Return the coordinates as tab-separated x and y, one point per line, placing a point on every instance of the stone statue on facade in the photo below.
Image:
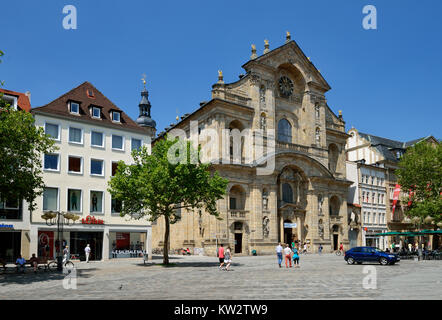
320	202
265	201
266	227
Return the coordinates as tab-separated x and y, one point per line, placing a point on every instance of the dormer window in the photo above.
96	112
116	116
90	93
74	107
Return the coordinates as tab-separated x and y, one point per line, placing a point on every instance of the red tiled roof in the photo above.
80	94
23	100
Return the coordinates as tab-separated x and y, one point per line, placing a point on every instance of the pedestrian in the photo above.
295	258
293	244
287	255
320	248
87	252
341	248
228	259
305	248
20	262
279	253
221	256
393	247
66	254
410	246
34	262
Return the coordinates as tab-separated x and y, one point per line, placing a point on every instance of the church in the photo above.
304	197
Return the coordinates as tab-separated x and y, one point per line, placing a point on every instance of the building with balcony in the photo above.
278	107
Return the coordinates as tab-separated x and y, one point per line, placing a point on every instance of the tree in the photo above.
21	148
154	186
420	173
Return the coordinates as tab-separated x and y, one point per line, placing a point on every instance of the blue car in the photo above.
370	254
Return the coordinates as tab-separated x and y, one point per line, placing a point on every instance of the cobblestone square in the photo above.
324	276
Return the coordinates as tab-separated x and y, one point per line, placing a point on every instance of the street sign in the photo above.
289	225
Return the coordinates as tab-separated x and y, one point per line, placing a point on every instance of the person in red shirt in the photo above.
341	248
221	256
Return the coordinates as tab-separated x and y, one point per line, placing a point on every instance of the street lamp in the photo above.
60	219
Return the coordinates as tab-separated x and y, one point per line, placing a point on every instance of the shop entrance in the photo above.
10	245
79	240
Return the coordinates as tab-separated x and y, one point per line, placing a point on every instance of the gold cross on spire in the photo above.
144	79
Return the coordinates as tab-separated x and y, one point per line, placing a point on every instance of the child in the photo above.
295	258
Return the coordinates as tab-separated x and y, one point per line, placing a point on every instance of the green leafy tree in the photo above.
155	187
21	148
420	171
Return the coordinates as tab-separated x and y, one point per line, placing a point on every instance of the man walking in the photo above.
288	256
279	253
87	252
221	256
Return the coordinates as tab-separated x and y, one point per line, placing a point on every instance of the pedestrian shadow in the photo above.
29	276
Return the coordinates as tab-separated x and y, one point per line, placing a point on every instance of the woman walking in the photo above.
227	259
295	258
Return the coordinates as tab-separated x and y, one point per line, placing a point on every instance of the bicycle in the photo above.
339	252
53	265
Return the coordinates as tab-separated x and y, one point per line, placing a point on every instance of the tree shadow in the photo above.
12	277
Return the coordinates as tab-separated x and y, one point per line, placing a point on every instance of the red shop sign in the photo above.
91	220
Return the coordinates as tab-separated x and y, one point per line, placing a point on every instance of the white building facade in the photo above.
92	135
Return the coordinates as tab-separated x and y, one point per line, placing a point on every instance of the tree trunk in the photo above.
166	241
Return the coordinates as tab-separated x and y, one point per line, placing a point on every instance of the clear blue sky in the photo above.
386	81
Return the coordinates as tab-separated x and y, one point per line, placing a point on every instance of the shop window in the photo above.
97	201
74	200
50	199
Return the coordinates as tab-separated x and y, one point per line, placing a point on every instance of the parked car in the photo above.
370	254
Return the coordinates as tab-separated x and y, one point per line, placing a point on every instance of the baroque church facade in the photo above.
304	198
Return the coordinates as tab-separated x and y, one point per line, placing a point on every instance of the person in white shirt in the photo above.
288	256
279	253
87	251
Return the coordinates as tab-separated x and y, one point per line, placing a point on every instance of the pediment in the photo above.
290	54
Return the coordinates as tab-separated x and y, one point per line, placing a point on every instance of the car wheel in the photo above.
383	261
350	260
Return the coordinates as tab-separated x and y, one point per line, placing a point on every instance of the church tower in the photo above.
144	119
